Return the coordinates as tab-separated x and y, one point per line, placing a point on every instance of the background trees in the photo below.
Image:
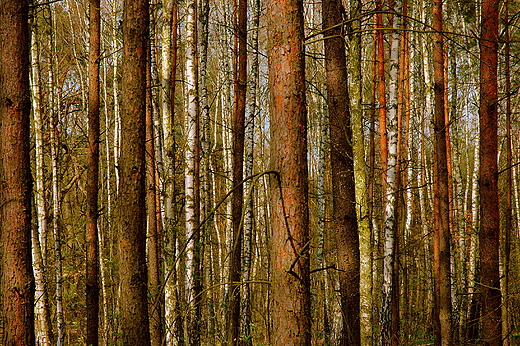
180	93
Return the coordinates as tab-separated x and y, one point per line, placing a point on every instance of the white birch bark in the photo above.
56	199
166	153
248	171
39	235
115	69
56	196
389	195
191	178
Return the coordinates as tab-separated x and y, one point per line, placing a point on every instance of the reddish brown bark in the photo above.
441	239
508	210
239	114
17	281
92	186
289	247
342	164
153	220
381	91
131	199
488	182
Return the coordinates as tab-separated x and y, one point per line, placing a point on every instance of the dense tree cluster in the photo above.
262	172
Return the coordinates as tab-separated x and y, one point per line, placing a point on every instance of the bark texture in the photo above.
17	282
239	114
342	164
290	305
192	181
131	197
441	238
92	262
488	182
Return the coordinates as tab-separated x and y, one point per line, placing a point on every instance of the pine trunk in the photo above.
239	112
441	239
17	281
289	241
342	164
92	186
488	182
134	322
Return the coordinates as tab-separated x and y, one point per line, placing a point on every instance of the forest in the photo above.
259	172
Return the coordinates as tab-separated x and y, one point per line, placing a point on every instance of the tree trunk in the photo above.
56	193
43	323
289	243
389	308
192	182
361	177
342	163
155	279
381	91
488	182
246	297
115	91
441	238
239	112
508	210
17	281
92	186
133	279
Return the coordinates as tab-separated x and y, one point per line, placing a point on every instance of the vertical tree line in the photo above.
245	173
16	280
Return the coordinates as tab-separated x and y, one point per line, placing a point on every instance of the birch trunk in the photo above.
115	92
192	181
43	324
390	333
56	195
246	308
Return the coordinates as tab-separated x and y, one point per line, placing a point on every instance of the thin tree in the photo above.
390	295
192	181
508	210
441	238
290	279
488	182
56	193
381	90
247	257
154	245
239	114
131	198
17	281
361	174
43	322
92	186
342	164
